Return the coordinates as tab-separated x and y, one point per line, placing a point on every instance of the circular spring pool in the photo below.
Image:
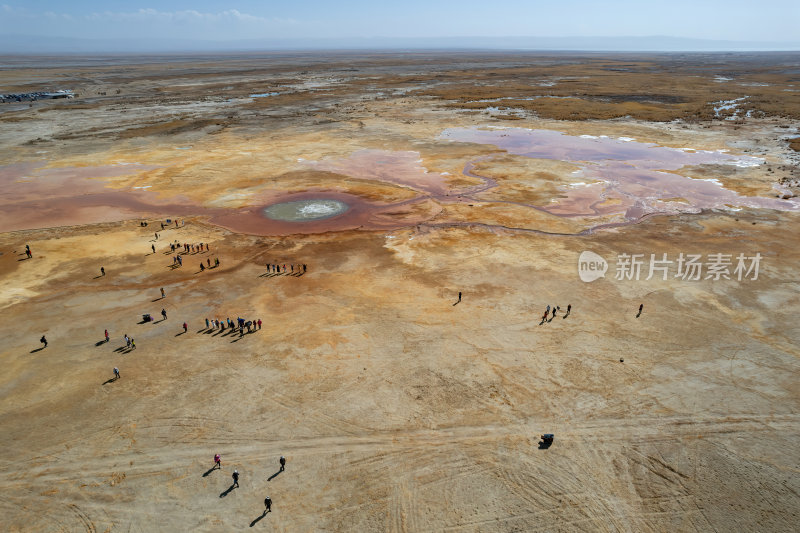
306	210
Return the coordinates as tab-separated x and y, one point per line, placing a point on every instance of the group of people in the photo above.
129	342
189	248
240	324
163	225
235	476
278	269
177	260
208	262
555	309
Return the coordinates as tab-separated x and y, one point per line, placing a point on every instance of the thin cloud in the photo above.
189	15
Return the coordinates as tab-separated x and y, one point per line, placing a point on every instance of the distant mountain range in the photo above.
28	44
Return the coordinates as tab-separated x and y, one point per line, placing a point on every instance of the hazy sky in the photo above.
751	20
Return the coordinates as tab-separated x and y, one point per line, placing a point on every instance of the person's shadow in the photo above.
109	380
38	349
259	518
228	491
179	334
273	476
208	472
638	314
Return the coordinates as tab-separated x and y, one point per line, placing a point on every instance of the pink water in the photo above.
400	168
632	173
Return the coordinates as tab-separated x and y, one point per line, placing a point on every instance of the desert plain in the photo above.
398	405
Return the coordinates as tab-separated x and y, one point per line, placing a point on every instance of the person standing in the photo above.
267	504
304	268
116	373
282	461
153	246
127	341
102	271
43	340
217	461
106	333
164	313
163	294
207	324
259	323
235	477
133	344
156	234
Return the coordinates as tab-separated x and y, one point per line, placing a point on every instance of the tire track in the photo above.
83	517
250	447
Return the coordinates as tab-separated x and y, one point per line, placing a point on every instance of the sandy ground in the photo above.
396	409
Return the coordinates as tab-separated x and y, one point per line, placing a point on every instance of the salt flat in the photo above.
397	407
